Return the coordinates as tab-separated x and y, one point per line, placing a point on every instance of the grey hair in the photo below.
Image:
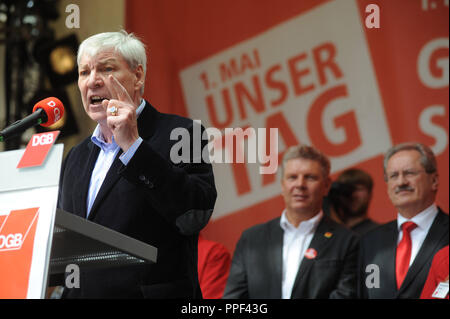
306	152
427	158
126	44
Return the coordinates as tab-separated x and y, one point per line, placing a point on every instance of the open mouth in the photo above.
95	99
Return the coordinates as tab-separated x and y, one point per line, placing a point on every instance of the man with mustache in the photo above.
395	258
303	253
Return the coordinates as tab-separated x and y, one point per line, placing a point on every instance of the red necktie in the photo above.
403	253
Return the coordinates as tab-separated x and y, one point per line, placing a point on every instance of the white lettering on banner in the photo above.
434	4
427	126
43	139
433	71
433	68
10	241
317	90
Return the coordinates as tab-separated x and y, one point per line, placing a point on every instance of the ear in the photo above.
435	182
328	183
140	79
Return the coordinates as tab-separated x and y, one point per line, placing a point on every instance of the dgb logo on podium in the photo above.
17	230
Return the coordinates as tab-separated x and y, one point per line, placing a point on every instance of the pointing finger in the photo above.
117	90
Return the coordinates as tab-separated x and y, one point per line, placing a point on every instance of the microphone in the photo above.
45	112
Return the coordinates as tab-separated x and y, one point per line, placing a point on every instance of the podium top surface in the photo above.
90	245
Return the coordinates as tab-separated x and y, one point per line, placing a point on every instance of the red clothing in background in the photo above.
214	263
438	273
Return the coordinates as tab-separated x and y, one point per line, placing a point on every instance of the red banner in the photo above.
351	78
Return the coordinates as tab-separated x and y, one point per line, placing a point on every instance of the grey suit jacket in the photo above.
378	247
256	270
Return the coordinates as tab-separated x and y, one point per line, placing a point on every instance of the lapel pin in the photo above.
328	234
310	253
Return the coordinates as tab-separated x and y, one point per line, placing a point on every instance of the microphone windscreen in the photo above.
53	107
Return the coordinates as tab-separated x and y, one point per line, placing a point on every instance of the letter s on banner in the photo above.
432	129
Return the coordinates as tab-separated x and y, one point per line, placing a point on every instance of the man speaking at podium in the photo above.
122	176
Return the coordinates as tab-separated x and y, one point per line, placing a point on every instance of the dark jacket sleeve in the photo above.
184	193
346	286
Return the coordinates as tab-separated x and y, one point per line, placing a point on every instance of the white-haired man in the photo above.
122	176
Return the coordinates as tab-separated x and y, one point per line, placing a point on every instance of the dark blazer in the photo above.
379	246
152	200
256	269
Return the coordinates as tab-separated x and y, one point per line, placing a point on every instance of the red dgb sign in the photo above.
17	230
37	149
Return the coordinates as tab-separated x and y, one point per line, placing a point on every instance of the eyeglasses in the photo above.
407	174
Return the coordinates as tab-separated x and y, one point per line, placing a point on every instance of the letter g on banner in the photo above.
344	125
432	66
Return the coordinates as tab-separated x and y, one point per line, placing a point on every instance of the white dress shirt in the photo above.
108	152
296	241
423	220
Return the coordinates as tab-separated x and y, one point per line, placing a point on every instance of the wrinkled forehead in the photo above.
300	164
404	159
101	57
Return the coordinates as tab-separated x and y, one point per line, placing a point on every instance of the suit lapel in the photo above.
275	259
319	242
84	180
145	129
430	246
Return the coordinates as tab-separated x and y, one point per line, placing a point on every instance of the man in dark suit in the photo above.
303	253
395	258
124	177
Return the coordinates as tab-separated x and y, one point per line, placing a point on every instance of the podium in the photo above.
77	241
38	241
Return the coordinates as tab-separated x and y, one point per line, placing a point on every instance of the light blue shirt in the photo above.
108	152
